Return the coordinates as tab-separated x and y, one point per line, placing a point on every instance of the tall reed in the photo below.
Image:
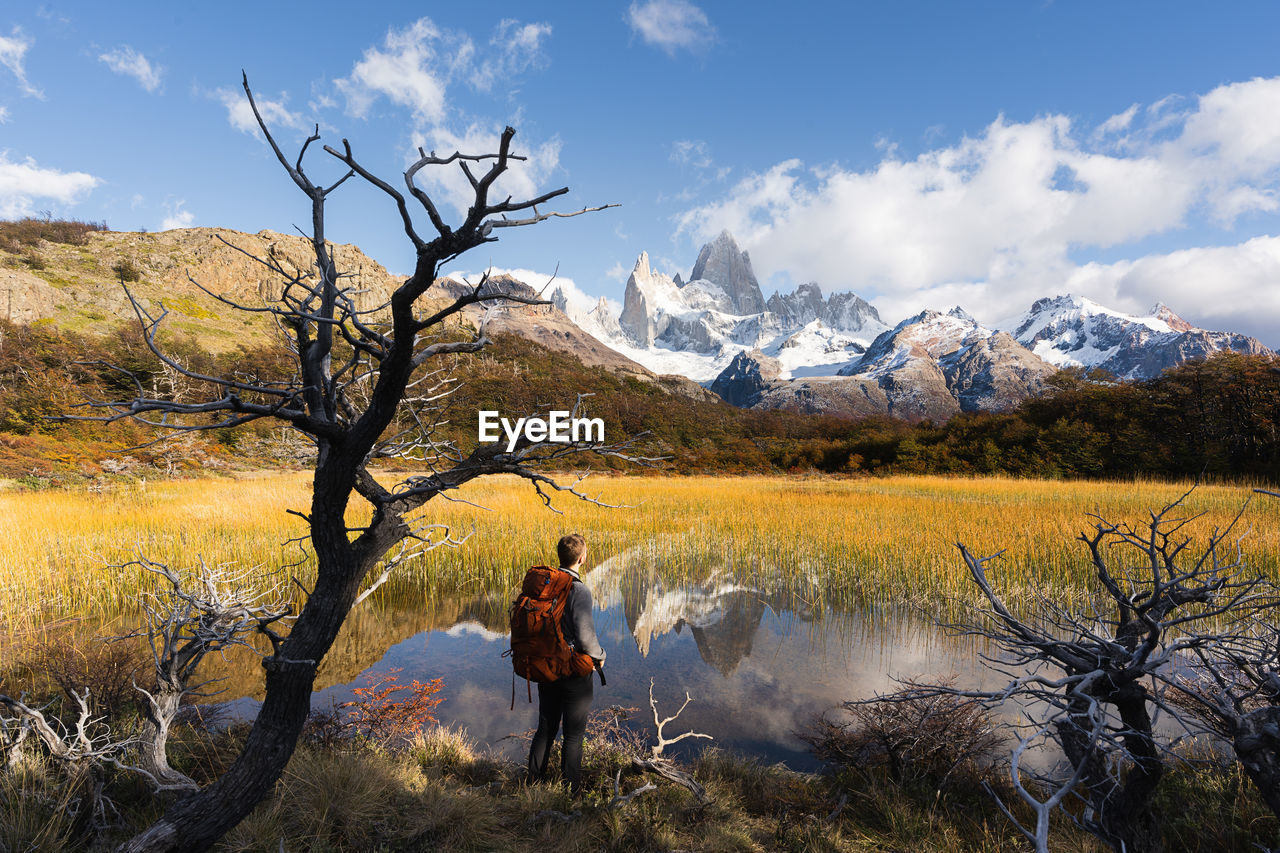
833	541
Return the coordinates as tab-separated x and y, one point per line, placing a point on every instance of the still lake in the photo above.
758	664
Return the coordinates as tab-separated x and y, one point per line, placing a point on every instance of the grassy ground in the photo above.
836	542
439	793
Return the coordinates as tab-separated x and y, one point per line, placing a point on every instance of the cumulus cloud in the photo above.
415	66
13	52
995	220
411	69
524	179
617	273
127	61
1230	288
240	113
21	184
671	25
515	48
176	216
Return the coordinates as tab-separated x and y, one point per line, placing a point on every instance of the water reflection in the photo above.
758	662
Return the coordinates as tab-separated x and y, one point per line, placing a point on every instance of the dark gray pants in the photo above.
567	700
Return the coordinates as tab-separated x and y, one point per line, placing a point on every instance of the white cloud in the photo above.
21	184
671	25
691	152
415	66
13	51
412	69
1229	288
4	114
524	179
517	48
617	273
127	61
994	220
176	216
1117	123
546	283
240	112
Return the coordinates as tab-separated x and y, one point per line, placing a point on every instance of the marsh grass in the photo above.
834	543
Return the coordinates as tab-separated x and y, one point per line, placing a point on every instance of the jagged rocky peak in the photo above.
845	311
801	307
851	312
746	377
1165	314
635	319
722	262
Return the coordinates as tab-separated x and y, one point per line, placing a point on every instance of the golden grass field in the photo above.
833	541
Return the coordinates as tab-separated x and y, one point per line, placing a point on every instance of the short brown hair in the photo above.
571	548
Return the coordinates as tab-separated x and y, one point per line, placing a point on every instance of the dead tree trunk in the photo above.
1086	672
355	372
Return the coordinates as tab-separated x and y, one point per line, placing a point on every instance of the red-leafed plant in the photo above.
388	711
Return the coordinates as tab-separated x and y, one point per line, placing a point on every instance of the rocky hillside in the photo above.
187	272
79	286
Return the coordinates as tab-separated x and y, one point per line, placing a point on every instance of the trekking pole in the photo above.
600	669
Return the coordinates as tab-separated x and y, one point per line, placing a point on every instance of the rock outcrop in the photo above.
994	374
747	377
178	272
722	263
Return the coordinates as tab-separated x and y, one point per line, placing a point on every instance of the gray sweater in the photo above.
579	627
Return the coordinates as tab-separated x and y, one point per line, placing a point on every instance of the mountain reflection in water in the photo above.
758	663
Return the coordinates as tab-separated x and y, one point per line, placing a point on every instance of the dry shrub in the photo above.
127	270
913	734
107	668
30	231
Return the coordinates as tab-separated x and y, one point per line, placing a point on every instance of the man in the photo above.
568	699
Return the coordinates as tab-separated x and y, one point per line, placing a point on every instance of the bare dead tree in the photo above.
195	614
1233	687
1094	678
81	748
655	762
356	367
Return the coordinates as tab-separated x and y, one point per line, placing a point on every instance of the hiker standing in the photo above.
567	699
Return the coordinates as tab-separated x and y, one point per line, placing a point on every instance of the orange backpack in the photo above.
539	650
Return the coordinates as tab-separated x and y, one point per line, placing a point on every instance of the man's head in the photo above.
572	550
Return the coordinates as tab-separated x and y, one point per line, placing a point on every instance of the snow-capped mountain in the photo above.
697	327
1072	331
833	354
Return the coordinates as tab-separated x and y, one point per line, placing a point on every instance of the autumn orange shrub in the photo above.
387	710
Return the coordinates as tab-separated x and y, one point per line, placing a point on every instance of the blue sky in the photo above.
921	154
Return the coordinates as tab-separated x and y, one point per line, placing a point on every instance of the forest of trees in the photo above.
1217	417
